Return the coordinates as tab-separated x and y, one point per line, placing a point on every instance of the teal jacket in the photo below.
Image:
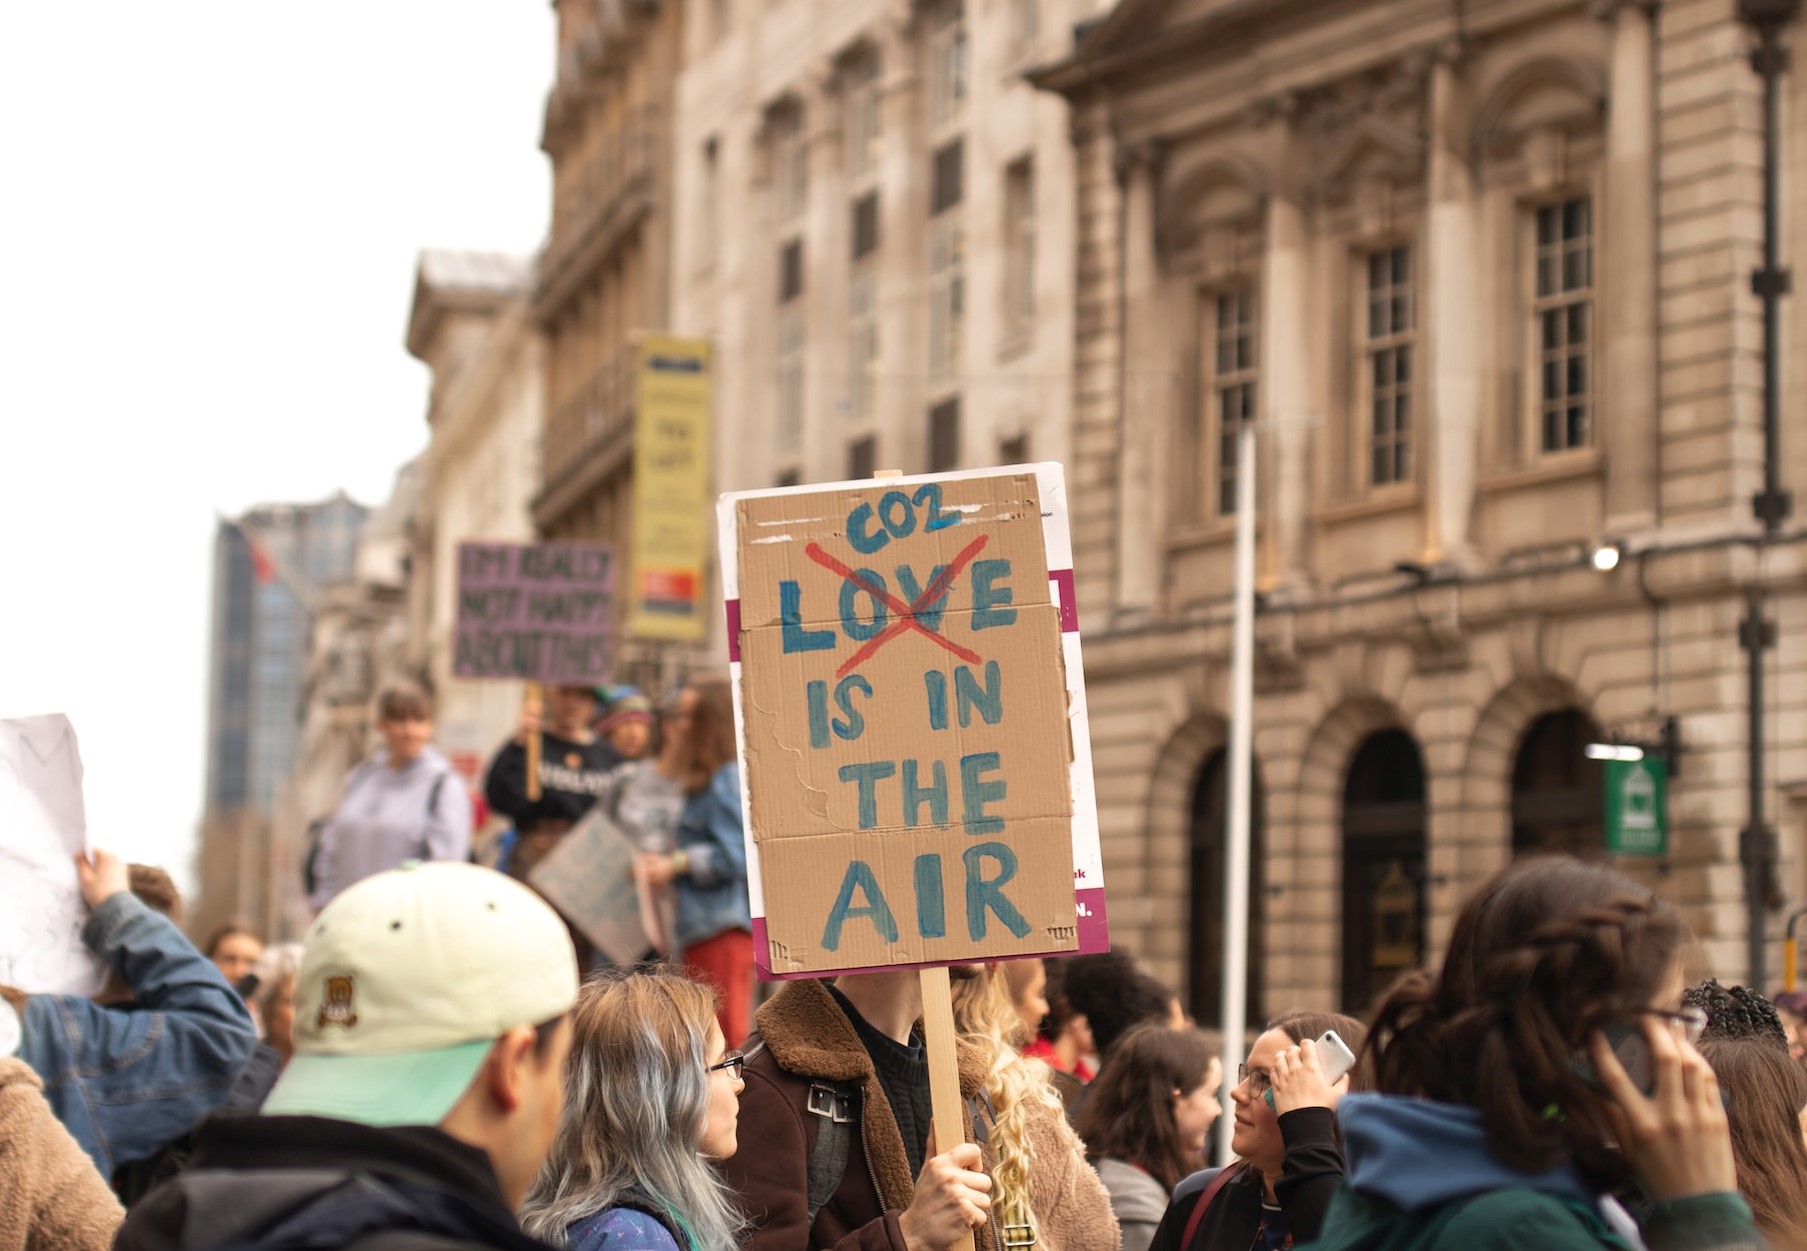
1421	1178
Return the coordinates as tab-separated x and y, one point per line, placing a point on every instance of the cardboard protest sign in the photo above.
43	827
543	612
916	768
589	878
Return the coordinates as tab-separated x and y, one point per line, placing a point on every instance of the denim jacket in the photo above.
127	1079
712	891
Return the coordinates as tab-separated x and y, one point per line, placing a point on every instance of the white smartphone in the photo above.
1334	1058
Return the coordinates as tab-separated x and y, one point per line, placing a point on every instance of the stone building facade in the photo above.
603	277
875	227
473	326
1479	273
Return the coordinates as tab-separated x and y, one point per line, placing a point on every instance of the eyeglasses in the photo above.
732	1064
1258	1079
1691	1021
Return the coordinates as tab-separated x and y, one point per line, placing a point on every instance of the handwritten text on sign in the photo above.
905	715
543	612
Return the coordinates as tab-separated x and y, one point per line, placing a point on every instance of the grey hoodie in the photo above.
1137	1200
418	812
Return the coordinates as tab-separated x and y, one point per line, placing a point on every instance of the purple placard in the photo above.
544	612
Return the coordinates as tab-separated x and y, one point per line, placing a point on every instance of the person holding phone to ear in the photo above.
1289	1164
1506	1117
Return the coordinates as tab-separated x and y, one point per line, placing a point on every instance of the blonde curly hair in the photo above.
1019	1088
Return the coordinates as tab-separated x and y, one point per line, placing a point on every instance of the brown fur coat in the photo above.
51	1196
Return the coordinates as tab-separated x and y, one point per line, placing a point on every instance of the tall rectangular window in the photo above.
711	195
790	164
944	436
1019	245
1392	320
1563	310
947	265
862	343
862	457
948	62
863	121
790	376
1235	367
1025	21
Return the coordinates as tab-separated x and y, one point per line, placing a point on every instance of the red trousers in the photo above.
726	963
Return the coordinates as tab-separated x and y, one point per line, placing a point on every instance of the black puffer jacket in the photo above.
280	1183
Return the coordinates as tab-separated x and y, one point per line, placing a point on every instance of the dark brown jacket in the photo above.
809	1039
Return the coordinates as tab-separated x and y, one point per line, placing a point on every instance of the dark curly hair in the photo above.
1736	1012
1545	954
1114	995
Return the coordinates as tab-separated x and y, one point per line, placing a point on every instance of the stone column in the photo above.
1147	395
1452	431
903	263
825	245
1286	381
1628	311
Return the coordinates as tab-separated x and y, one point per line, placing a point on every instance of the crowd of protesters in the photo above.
446	1063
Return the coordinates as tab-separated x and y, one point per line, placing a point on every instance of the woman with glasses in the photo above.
652	1095
1544	1069
1288	1163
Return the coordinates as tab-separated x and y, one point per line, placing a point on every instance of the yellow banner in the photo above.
672	507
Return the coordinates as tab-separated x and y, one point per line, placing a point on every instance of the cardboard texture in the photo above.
43	827
542	612
904	702
589	878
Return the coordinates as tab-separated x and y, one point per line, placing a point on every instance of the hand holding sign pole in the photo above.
910	704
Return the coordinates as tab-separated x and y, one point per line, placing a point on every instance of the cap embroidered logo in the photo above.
336	1006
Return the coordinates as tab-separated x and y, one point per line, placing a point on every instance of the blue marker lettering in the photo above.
975	794
985	894
986	597
860	876
869	775
790	617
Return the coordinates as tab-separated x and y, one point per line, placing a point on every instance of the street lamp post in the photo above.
1772	505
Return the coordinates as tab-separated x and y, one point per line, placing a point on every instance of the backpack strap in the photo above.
433	795
838	1104
1224	1177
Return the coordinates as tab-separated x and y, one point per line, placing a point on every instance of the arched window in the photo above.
1383	866
1210	814
1558	794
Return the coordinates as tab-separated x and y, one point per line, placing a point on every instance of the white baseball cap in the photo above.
407	979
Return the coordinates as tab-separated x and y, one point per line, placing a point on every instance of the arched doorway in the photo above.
1558	794
1383	866
1205	947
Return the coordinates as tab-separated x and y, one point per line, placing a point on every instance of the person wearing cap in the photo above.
431	1033
405	803
628	722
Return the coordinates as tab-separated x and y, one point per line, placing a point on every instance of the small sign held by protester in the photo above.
43	827
916	766
589	877
544	612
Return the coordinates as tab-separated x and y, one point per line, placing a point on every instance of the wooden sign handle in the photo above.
533	700
944	1066
938	1040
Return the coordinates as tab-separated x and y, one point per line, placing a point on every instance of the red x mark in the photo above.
906	613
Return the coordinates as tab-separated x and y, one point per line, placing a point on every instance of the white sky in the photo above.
209	217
